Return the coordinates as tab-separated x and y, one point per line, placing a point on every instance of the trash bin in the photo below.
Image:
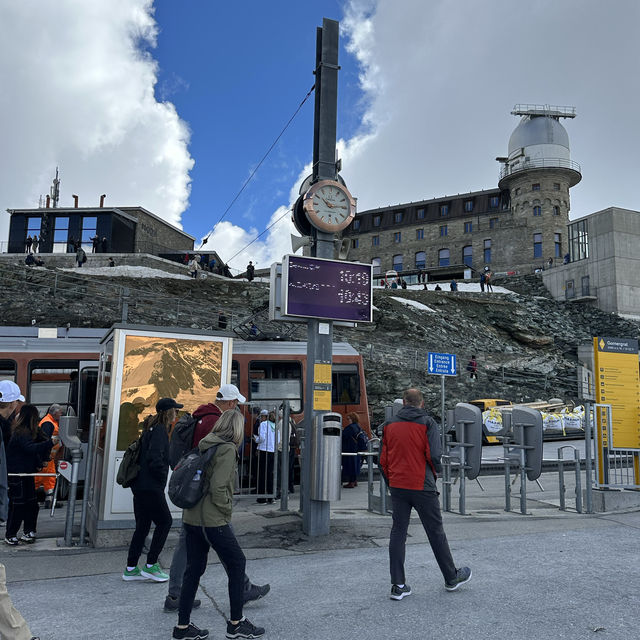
326	457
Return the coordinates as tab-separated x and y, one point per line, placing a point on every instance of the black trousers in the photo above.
149	507
428	507
265	472
23	506
223	541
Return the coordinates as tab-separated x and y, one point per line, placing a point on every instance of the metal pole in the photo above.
587	453
284	486
463	477
87	478
523	480
76	456
507	476
442	418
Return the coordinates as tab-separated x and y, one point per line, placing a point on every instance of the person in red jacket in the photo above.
410	461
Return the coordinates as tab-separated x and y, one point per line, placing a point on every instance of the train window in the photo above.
345	384
50	381
235	373
8	370
276	380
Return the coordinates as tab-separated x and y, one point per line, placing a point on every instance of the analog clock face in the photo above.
329	206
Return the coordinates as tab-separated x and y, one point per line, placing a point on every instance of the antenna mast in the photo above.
55	191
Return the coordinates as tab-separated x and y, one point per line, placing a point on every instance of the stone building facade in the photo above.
517	227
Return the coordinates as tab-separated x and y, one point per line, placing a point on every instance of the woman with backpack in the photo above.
350	444
26	453
208	525
149	501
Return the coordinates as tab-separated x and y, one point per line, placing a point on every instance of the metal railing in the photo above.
542	163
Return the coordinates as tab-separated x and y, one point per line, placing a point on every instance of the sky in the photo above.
172	105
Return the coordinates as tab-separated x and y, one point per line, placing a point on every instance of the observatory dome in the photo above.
539	136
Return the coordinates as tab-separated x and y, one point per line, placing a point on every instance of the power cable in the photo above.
253	173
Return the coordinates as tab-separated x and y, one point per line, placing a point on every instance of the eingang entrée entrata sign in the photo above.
327	289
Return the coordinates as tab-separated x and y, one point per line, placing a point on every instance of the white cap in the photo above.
230	392
10	391
264	412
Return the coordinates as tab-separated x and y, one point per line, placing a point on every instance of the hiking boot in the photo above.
190	633
29	538
462	575
255	592
154	573
172	603
244	629
397	593
12	541
134	574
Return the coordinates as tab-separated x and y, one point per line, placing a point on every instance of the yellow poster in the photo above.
322	400
322	373
618	384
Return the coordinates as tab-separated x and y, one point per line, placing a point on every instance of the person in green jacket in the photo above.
208	525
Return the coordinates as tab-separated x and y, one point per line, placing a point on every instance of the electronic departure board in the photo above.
328	289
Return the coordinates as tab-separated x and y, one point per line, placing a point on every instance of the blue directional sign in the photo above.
441	364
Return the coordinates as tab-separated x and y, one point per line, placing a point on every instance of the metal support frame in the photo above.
578	489
87	480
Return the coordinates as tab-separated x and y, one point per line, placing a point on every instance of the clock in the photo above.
329	206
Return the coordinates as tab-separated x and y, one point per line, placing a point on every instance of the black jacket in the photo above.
154	460
25	455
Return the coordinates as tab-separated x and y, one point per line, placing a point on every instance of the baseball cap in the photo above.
10	391
230	392
264	412
164	404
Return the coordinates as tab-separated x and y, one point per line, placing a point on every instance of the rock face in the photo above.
525	343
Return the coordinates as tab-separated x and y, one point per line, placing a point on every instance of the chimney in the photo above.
102	197
75	200
48	201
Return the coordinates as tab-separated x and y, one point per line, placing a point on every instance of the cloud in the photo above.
78	93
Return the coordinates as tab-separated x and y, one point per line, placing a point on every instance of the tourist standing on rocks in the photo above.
95	241
483	279
81	256
36	243
149	501
472	368
250	271
453	285
28	243
193	266
208	525
487	281
410	460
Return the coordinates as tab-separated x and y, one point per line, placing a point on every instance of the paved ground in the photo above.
549	574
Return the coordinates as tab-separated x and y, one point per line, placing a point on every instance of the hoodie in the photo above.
207	415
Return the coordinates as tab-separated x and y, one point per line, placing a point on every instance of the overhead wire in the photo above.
253	173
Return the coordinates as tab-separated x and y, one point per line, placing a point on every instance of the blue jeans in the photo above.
223	541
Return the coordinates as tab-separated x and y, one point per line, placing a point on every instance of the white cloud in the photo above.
78	93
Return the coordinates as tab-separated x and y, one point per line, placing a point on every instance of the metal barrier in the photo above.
379	502
562	487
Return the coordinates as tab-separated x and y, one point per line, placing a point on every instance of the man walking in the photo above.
410	460
227	398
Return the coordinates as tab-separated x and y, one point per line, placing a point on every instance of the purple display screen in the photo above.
329	289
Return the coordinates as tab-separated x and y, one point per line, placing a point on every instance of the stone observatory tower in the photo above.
537	174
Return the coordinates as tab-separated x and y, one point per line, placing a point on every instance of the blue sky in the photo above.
170	104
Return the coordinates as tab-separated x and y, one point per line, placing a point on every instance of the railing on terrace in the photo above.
541	163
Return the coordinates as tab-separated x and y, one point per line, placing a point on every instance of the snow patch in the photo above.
413	303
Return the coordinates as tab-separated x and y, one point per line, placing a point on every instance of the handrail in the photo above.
542	163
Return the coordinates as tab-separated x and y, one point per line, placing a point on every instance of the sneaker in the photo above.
462	575
397	593
12	541
256	592
29	538
190	633
134	574
154	573
244	629
172	603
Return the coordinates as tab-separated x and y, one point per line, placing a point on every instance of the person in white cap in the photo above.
12	624
228	397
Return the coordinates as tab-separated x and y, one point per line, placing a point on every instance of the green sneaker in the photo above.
154	573
134	574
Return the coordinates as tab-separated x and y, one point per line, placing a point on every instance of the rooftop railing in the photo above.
542	163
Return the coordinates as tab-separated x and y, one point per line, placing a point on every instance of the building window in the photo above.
397	236
585	285
537	211
537	245
419	234
33	227
444	210
468	227
354	243
397	216
420	214
60	235
375	241
421	260
556	210
376	266
535	186
443	230
493	223
557	242
494	201
443	258
376	221
467	255
556	186
468	206
397	262
578	240
88	231
487	251
356	225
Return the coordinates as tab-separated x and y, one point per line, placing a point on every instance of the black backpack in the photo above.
361	441
188	482
181	438
130	465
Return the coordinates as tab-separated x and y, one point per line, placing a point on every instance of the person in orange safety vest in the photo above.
49	426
